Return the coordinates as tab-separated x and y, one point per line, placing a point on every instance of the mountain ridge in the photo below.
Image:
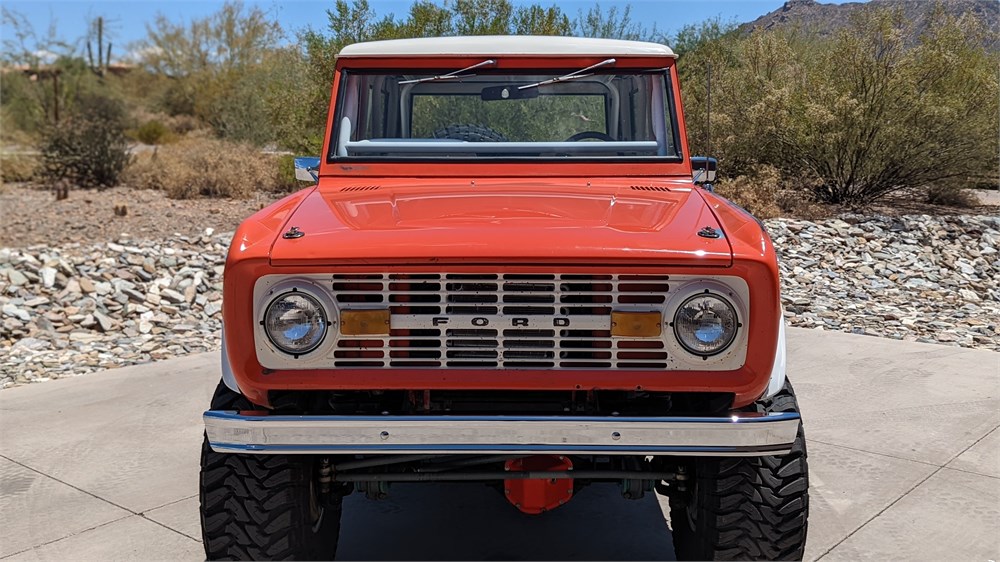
826	19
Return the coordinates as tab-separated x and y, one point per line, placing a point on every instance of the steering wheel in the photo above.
590	135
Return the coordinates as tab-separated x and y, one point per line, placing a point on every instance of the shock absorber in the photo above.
325	477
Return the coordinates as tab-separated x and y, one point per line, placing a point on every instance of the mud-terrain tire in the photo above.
262	507
469	133
747	508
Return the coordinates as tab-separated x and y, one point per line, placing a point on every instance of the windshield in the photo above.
485	113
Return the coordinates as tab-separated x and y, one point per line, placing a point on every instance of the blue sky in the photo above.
127	19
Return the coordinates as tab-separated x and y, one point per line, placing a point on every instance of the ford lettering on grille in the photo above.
416	322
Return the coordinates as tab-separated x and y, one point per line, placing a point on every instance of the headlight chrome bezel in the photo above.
728	342
324	316
735	292
269	353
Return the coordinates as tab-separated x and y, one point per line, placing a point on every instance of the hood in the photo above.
527	222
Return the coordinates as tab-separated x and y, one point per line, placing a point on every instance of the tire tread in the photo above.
753	507
255	507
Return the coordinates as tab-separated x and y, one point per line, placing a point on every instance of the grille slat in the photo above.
557	321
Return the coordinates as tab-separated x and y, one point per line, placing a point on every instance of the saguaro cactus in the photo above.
103	55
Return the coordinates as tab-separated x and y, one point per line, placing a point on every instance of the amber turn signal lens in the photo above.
636	324
364	322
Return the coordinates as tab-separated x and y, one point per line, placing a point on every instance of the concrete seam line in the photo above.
145	515
71	535
181	533
95	496
972	472
168	504
77	488
904	494
874	453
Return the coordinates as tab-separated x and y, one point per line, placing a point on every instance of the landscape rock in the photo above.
922	276
16	278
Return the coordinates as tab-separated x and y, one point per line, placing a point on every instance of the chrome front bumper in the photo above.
742	434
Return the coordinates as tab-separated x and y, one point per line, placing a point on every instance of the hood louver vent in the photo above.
649	188
362	188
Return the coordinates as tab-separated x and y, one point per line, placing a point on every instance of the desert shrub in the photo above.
755	191
240	113
873	117
205	167
867	112
151	132
182	124
90	148
951	196
286	173
18	167
22	102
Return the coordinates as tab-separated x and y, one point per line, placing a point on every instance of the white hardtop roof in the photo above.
499	45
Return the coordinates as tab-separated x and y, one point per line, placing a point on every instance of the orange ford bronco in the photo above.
504	272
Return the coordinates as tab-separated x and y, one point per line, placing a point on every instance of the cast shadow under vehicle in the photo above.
465	521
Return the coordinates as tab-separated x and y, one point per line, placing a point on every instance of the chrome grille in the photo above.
514	320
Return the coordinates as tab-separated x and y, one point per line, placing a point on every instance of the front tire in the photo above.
263	507
746	508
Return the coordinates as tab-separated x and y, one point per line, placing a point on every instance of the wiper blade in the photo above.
453	74
570	76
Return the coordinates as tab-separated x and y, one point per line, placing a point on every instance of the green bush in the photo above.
90	148
863	114
286	174
152	132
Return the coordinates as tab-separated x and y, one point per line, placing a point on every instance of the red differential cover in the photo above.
538	495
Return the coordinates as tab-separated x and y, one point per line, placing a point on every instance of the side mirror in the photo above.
307	168
703	169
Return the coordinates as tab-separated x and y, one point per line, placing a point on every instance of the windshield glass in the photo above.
499	114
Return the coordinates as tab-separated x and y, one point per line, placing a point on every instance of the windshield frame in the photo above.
664	68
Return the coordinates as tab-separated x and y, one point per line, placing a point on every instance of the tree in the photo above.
90	149
233	38
213	64
614	24
23	46
856	116
536	20
873	116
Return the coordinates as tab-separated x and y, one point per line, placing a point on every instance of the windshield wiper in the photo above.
453	74
570	76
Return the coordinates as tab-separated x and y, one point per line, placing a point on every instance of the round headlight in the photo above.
705	324
295	323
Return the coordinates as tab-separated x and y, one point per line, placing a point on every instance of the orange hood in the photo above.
534	221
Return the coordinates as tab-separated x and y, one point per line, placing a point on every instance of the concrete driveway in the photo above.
903	442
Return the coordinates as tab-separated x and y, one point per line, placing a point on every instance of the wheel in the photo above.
590	135
470	133
263	507
748	508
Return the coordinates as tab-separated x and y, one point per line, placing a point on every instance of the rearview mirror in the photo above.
703	169
307	168
507	92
